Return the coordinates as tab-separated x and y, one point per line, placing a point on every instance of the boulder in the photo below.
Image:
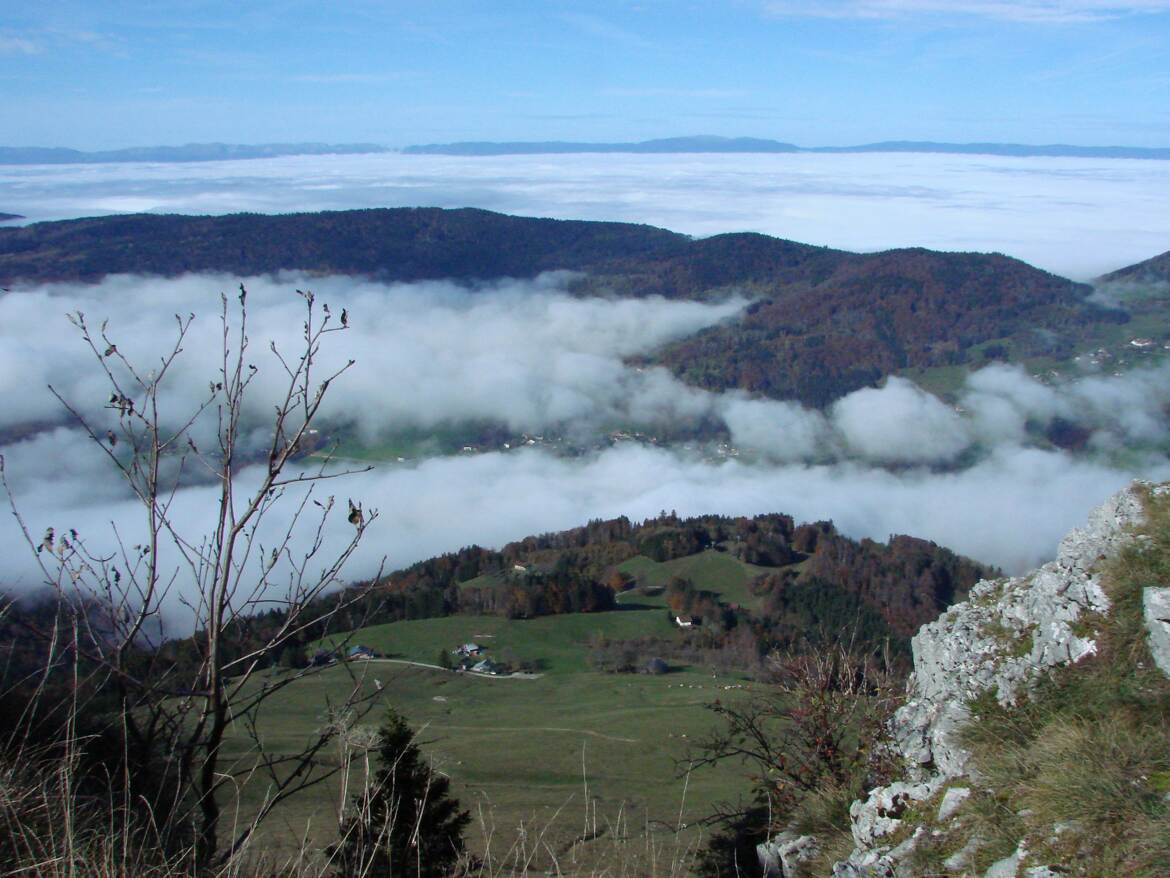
1156	609
780	857
882	812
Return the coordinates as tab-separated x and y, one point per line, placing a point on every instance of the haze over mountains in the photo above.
191	152
716	144
708	143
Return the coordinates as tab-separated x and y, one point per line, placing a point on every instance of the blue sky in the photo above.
106	73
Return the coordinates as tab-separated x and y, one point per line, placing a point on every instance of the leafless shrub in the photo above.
179	703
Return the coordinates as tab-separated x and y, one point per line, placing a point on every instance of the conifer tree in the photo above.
406	823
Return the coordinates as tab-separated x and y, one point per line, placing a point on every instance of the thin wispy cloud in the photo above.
1032	11
687	93
49	40
348	78
16	45
595	26
99	40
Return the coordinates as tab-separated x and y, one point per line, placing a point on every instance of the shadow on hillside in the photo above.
628	605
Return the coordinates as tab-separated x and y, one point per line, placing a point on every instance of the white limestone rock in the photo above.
867	863
1156	609
1004	635
1008	867
781	856
1002	638
953	799
881	813
960	858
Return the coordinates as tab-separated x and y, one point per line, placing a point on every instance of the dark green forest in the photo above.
822	322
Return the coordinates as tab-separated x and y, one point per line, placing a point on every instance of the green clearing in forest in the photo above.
712	571
558	644
522	749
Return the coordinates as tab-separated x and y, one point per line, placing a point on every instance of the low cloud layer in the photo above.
982	477
520	352
1000	406
1076	217
1010	509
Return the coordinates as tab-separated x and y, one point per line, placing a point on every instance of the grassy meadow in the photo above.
712	571
570	752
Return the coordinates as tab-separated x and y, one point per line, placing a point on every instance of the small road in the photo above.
570	731
519	675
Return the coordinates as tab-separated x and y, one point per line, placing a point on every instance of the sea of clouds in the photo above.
524	353
1076	217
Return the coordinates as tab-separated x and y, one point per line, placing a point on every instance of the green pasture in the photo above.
559	645
521	750
712	571
486	580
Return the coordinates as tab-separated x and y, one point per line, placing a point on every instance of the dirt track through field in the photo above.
545	729
519	675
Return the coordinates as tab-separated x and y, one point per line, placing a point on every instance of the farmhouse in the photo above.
322	657
688	621
487	666
469	649
361	652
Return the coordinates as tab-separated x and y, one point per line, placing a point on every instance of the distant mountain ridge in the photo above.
714	144
705	143
701	143
191	152
823	322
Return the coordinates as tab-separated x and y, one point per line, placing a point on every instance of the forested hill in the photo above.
1150	270
763	580
825	322
786	580
868	316
395	244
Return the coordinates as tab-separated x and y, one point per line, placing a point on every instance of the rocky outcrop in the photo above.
781	857
1001	639
1156	611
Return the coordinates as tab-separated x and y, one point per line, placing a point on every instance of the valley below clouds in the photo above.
979	476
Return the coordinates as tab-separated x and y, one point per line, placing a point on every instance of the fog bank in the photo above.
987	477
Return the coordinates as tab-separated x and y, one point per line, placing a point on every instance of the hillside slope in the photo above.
784	581
836	325
1155	269
399	244
826	322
